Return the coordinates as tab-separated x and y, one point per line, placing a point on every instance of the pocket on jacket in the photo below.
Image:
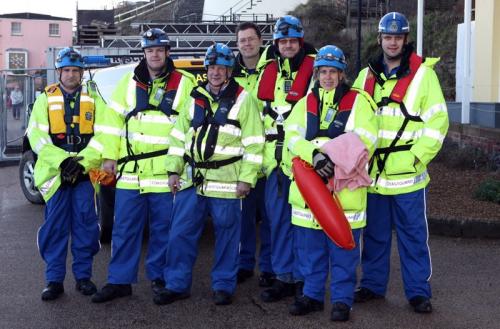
400	163
159	165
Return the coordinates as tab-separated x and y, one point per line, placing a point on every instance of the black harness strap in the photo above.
142	94
381	154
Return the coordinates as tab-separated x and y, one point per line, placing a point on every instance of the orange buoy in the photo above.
323	204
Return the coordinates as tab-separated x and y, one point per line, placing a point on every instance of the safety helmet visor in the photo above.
330	60
215	57
69	57
284	28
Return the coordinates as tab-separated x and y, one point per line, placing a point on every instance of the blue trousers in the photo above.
407	213
253	203
132	211
189	214
70	211
324	257
283	250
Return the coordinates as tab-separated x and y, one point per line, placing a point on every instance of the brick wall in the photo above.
486	139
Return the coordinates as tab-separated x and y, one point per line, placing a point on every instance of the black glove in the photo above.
71	169
323	165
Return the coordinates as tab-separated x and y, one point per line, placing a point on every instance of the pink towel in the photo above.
350	156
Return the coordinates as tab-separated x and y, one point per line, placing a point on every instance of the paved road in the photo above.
466	288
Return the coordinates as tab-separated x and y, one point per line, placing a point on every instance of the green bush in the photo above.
488	190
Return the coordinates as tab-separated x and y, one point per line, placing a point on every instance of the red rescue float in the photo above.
326	209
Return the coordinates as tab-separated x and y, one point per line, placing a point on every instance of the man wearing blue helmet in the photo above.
214	157
329	110
142	111
286	70
413	123
63	131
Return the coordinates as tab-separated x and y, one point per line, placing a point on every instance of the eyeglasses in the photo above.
249	40
285	27
331	57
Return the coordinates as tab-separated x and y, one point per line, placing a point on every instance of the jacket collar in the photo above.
240	69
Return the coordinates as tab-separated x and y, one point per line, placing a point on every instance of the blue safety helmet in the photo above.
155	38
288	27
219	54
331	56
69	57
394	23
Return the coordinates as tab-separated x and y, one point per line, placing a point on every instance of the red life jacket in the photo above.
203	116
313	121
397	95
165	106
399	91
142	104
299	86
206	123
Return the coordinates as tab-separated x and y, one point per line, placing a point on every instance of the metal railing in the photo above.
142	10
188	36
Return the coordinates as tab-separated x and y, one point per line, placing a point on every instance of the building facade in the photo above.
24	38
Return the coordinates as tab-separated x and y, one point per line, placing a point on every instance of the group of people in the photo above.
181	151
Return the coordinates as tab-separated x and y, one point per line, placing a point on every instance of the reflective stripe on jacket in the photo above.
47	172
406	171
241	136
357	117
148	131
276	112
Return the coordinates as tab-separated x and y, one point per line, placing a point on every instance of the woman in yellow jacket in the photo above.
330	109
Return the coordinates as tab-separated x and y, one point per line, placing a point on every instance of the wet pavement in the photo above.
465	287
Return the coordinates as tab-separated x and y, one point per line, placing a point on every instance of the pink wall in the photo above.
35	38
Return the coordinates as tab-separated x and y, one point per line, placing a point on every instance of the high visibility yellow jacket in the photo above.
148	130
406	170
245	77
214	132
275	112
47	134
301	140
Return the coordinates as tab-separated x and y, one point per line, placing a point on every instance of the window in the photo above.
53	29
15	28
17	60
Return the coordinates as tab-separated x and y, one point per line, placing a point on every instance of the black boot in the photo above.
362	295
421	304
278	291
340	312
299	289
166	296
304	305
86	287
111	291
222	297
53	291
266	279
157	285
243	275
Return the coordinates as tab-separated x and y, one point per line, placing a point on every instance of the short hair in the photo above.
248	25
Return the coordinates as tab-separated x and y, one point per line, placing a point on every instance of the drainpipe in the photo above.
420	26
466	83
